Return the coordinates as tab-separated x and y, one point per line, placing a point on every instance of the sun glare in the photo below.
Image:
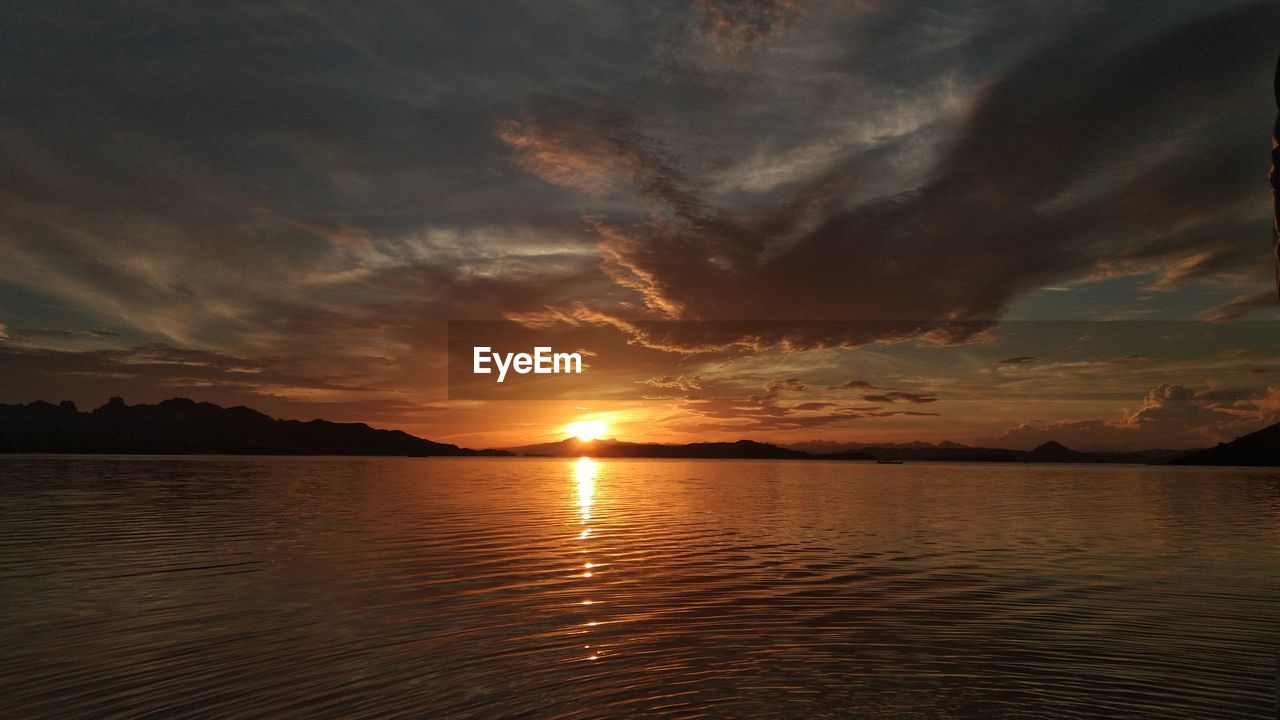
587	429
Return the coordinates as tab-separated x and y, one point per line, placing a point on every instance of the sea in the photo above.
286	587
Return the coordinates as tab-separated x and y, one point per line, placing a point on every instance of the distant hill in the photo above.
1261	448
829	447
1049	452
185	426
180	425
742	449
1054	451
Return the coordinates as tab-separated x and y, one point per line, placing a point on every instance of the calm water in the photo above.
459	588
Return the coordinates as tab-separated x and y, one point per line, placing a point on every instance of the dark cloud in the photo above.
1030	192
908	413
594	149
746	22
894	396
774	387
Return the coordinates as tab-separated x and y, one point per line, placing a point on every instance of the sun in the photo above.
587	429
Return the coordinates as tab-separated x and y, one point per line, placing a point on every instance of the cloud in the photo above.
736	23
280	386
814	406
909	413
675	382
1169	416
1172	411
761	414
774	387
594	148
894	396
1026	210
1019	360
1242	306
771	412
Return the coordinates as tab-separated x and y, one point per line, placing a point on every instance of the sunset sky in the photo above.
1060	208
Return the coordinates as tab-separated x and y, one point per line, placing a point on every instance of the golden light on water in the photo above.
587	429
586	476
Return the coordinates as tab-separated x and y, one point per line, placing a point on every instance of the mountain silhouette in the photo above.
1050	452
1054	451
180	425
1261	448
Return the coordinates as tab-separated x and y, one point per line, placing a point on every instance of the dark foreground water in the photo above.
488	588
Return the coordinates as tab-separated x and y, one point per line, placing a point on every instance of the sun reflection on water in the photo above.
584	474
585	471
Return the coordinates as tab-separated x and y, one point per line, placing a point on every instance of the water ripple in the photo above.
477	588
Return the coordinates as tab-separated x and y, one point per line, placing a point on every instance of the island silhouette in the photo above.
181	425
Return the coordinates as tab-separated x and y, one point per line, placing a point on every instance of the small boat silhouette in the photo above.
889	462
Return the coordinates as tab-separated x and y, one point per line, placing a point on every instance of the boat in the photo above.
889	462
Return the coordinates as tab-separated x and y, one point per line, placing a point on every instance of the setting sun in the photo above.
587	429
